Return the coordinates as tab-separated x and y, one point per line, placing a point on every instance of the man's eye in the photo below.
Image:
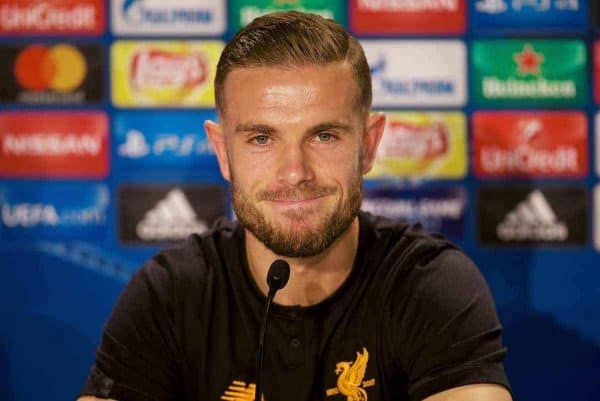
325	137
261	139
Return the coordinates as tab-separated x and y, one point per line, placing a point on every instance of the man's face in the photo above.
291	142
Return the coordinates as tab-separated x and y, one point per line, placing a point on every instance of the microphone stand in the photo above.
261	345
277	278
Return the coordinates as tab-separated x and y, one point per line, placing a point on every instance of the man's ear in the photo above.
371	139
216	137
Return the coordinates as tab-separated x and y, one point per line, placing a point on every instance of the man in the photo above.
374	309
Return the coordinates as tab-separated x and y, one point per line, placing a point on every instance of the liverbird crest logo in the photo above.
350	381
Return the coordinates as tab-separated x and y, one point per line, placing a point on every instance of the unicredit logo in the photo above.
414	141
164	69
61	68
48	15
526	158
530	143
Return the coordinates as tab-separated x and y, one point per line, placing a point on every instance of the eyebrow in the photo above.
263	128
267	129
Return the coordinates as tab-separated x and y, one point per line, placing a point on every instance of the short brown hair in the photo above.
293	38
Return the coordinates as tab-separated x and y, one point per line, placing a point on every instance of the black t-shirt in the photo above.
414	317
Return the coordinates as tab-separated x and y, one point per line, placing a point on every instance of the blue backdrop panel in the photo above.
60	273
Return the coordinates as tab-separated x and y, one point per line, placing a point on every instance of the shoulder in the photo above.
402	247
421	269
440	321
191	262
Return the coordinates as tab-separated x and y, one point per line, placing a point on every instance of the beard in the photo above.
282	237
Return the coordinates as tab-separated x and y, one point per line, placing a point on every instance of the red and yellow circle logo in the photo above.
61	68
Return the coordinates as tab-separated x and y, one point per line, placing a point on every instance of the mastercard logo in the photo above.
61	68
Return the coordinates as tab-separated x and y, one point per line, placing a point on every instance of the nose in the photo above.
294	166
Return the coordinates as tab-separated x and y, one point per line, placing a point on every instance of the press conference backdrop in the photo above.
491	139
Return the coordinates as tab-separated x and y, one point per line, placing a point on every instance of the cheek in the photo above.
343	163
249	171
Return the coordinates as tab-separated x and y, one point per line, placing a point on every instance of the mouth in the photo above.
291	202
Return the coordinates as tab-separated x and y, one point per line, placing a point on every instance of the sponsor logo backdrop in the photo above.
56	73
176	17
548	16
57	17
166	213
49	144
492	139
517	215
530	144
169	141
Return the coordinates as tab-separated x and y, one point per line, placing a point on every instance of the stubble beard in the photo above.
287	241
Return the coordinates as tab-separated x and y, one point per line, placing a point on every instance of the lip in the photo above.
292	203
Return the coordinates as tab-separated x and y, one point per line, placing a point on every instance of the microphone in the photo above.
277	278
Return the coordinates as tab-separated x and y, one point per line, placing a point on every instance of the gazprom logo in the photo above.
410	87
175	12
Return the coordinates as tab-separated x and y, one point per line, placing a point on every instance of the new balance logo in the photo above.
171	219
532	220
239	391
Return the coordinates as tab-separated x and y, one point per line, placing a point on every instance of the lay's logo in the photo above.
164	69
164	73
422	145
416	141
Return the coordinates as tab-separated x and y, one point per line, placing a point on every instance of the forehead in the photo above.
298	92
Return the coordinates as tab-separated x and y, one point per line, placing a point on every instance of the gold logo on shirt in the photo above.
350	381
239	391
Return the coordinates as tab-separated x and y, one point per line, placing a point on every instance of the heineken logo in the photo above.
244	11
528	61
536	72
512	88
249	13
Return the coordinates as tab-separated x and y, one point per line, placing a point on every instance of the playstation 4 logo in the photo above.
501	6
491	6
136	146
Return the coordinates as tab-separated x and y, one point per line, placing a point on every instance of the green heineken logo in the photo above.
536	72
528	61
242	12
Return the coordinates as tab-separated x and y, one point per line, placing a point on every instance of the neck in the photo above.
312	279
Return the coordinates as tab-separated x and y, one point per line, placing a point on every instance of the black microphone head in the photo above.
279	274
